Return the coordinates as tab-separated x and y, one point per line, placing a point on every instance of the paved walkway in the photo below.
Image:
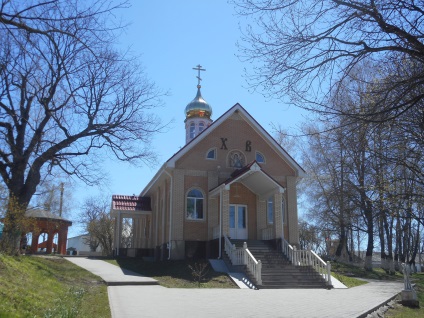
111	274
158	301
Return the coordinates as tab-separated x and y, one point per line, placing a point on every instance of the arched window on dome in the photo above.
201	126
192	130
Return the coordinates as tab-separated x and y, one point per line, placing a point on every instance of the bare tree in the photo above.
303	49
54	195
65	93
98	223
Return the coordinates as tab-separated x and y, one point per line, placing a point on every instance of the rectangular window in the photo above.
270	210
190	208
232	217
199	209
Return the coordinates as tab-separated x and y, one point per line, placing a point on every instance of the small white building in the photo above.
81	246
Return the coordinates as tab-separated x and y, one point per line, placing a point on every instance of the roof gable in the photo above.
238	109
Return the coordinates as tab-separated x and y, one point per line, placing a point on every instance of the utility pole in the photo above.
61	199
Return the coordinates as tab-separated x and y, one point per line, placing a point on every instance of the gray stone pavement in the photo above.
158	301
111	274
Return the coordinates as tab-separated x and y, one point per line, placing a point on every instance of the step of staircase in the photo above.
277	270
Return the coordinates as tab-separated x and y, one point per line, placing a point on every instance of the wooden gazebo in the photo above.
51	224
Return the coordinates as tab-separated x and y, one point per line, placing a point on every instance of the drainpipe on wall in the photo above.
170	214
220	222
157	218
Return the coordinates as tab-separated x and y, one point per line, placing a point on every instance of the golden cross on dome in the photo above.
198	68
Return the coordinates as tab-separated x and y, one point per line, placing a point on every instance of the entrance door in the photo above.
238	221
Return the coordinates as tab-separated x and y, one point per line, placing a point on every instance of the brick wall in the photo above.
293	227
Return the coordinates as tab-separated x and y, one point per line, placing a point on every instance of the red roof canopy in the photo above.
130	203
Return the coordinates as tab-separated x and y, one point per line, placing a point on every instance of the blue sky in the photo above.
170	38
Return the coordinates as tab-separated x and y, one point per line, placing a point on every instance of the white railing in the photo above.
267	234
307	258
236	255
215	232
253	266
288	251
242	256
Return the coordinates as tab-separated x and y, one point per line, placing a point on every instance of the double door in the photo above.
238	221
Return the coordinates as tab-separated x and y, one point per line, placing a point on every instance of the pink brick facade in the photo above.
221	188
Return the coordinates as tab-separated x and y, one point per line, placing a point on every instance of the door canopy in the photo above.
254	178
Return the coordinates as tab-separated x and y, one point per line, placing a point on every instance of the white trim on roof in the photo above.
237	108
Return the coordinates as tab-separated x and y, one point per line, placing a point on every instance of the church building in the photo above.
231	180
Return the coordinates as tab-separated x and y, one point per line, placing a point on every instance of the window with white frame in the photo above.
194	205
201	126
259	157
270	210
211	154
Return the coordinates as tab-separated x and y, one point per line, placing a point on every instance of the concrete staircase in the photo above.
278	271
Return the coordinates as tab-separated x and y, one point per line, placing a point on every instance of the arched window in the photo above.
270	210
192	130
211	154
260	157
194	208
201	126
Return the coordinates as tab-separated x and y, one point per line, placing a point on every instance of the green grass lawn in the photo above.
349	274
356	271
175	274
33	286
405	312
53	287
346	274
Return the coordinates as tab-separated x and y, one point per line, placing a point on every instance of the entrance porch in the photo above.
132	233
251	206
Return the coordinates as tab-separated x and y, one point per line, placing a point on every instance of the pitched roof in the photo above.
44	214
130	203
237	108
254	178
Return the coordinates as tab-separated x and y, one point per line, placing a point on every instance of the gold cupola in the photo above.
198	107
198	112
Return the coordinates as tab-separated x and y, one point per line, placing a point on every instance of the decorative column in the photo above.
34	242
50	235
278	220
225	210
292	219
63	237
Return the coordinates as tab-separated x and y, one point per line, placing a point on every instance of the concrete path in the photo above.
158	301
239	279
111	274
